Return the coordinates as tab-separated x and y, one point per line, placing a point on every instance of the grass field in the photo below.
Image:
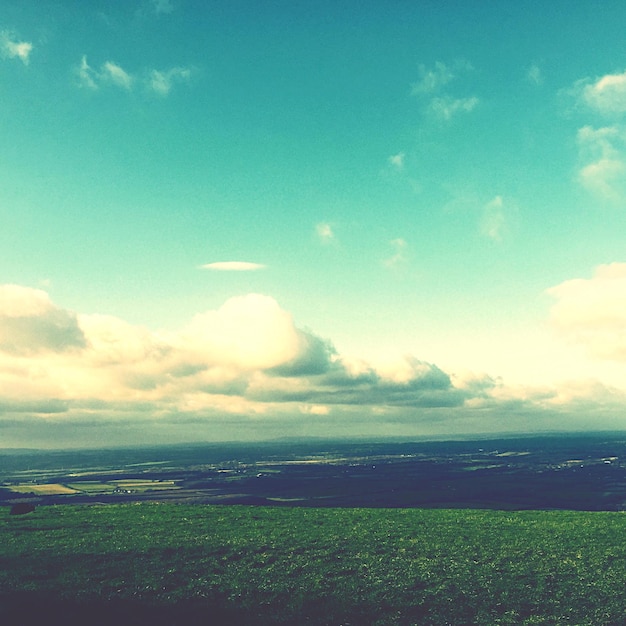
185	564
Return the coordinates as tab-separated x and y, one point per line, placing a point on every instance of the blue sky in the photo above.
246	220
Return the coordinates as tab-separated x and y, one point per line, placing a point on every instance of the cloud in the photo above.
592	312
113	73
606	95
534	75
399	257
324	232
162	6
245	358
13	49
432	89
86	75
247	332
603	153
397	161
246	370
602	150
161	82
493	221
233	266
407	382
446	107
30	322
109	74
432	80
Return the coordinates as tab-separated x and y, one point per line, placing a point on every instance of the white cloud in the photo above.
607	95
162	6
233	266
493	221
432	80
13	49
397	161
114	341
603	149
534	75
161	82
30	323
324	232
592	312
432	87
400	256
247	332
447	107
247	365
109	74
603	152
87	76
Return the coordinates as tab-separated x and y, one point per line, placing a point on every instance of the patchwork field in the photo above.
196	564
94	487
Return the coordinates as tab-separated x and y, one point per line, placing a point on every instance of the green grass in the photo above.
188	564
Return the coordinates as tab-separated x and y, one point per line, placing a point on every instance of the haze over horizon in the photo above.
242	220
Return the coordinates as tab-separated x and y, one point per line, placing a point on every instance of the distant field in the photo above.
46	489
94	487
186	564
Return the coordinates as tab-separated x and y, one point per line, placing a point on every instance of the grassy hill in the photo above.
185	564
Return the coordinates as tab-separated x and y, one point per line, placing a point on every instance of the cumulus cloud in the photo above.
11	48
233	266
592	312
603	153
248	358
30	322
602	149
407	382
605	95
247	370
248	332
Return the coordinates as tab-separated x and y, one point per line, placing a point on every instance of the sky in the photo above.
238	221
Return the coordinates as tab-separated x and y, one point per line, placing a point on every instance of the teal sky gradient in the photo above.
409	179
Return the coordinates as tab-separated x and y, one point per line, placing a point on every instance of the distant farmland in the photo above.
571	473
157	563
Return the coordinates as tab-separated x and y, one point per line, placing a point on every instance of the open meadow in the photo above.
162	563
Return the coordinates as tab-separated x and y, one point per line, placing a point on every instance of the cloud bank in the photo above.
246	370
